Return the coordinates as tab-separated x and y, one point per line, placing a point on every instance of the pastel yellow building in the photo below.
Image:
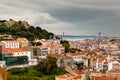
23	42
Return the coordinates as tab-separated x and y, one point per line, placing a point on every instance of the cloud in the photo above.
71	16
59	28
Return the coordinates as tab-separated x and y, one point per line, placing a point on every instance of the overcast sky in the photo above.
74	17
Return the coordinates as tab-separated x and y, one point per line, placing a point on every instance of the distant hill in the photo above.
23	29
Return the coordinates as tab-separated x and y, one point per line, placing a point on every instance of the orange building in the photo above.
3	74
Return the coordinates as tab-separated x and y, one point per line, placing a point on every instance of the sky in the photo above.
73	17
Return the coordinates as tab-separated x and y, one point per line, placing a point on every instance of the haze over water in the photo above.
72	38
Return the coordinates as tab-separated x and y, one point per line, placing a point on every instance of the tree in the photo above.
15	27
3	28
66	45
48	65
36	43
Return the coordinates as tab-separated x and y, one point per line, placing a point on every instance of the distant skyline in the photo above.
74	17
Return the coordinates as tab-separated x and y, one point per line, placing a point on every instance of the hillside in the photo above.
23	29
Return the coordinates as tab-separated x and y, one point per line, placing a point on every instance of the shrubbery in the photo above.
45	70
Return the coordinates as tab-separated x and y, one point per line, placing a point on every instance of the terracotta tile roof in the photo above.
21	39
2	43
7	50
53	55
55	46
118	64
65	76
52	46
38	47
100	60
78	72
104	78
113	71
104	42
76	54
91	52
67	57
77	78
